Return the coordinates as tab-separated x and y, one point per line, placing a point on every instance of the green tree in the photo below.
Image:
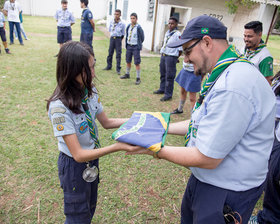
2	4
234	4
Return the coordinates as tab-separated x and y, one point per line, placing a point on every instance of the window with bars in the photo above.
151	7
125	8
110	8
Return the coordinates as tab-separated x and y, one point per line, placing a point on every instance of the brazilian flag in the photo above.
146	129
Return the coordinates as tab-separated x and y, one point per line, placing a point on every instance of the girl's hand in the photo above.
127	147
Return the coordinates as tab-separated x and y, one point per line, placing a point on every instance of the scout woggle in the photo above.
90	173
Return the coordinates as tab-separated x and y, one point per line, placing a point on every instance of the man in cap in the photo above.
230	135
256	50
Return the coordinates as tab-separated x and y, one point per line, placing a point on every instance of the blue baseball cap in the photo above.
200	26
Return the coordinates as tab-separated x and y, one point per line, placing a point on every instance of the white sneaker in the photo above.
253	220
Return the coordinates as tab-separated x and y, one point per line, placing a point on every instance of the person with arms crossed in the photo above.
117	32
256	50
65	20
73	108
133	43
168	60
11	10
87	24
230	135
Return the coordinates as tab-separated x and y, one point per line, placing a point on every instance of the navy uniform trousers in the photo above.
115	43
203	203
271	203
80	197
167	68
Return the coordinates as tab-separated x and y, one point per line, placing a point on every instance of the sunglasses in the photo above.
188	50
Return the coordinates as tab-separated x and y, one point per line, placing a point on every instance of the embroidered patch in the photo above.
194	132
270	66
58	110
83	127
59	120
204	30
60	127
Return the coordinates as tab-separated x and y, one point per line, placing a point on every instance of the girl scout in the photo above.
72	109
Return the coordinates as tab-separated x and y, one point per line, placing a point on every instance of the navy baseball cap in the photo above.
200	26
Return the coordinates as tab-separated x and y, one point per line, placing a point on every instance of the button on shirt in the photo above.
235	123
85	21
13	11
117	29
132	37
65	122
2	19
169	37
64	18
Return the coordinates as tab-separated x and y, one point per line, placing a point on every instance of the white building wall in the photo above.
49	7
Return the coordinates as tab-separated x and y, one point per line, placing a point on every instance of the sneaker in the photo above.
177	111
138	81
118	72
125	76
158	92
11	43
21	44
253	220
166	98
107	68
7	51
27	39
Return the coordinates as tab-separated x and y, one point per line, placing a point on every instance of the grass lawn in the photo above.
133	189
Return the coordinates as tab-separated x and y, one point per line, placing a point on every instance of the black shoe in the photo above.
165	98
21	44
158	92
118	72
125	76
7	51
107	68
138	81
177	111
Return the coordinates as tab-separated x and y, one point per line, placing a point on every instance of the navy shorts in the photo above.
80	197
132	50
64	34
86	38
3	34
204	203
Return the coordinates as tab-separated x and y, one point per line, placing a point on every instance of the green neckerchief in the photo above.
89	120
249	54
228	57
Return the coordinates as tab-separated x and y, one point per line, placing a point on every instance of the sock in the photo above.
181	105
127	70
138	74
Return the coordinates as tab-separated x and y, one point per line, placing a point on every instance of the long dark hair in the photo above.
72	61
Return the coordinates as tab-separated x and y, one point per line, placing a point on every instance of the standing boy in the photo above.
65	20
133	43
87	24
168	60
117	31
3	33
11	10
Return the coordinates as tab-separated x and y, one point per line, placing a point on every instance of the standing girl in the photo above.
72	109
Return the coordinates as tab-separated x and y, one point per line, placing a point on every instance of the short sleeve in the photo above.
228	115
61	119
266	67
56	15
89	15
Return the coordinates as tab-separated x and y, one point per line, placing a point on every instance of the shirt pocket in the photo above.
81	124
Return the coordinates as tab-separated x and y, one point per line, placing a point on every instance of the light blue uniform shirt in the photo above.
2	19
169	38
65	122
236	123
132	37
64	17
117	29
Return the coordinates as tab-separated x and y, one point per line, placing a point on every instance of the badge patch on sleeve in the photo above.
58	110
59	120
60	127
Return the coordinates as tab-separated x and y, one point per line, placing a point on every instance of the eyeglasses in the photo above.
188	50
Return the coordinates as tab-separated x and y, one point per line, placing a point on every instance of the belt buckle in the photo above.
164	55
114	37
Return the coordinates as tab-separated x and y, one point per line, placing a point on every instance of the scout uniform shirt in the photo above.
64	18
65	122
117	29
13	11
132	35
85	21
169	37
2	20
232	121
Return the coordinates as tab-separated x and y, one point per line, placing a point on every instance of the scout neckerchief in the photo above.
249	54
89	120
129	37
168	37
228	57
115	24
